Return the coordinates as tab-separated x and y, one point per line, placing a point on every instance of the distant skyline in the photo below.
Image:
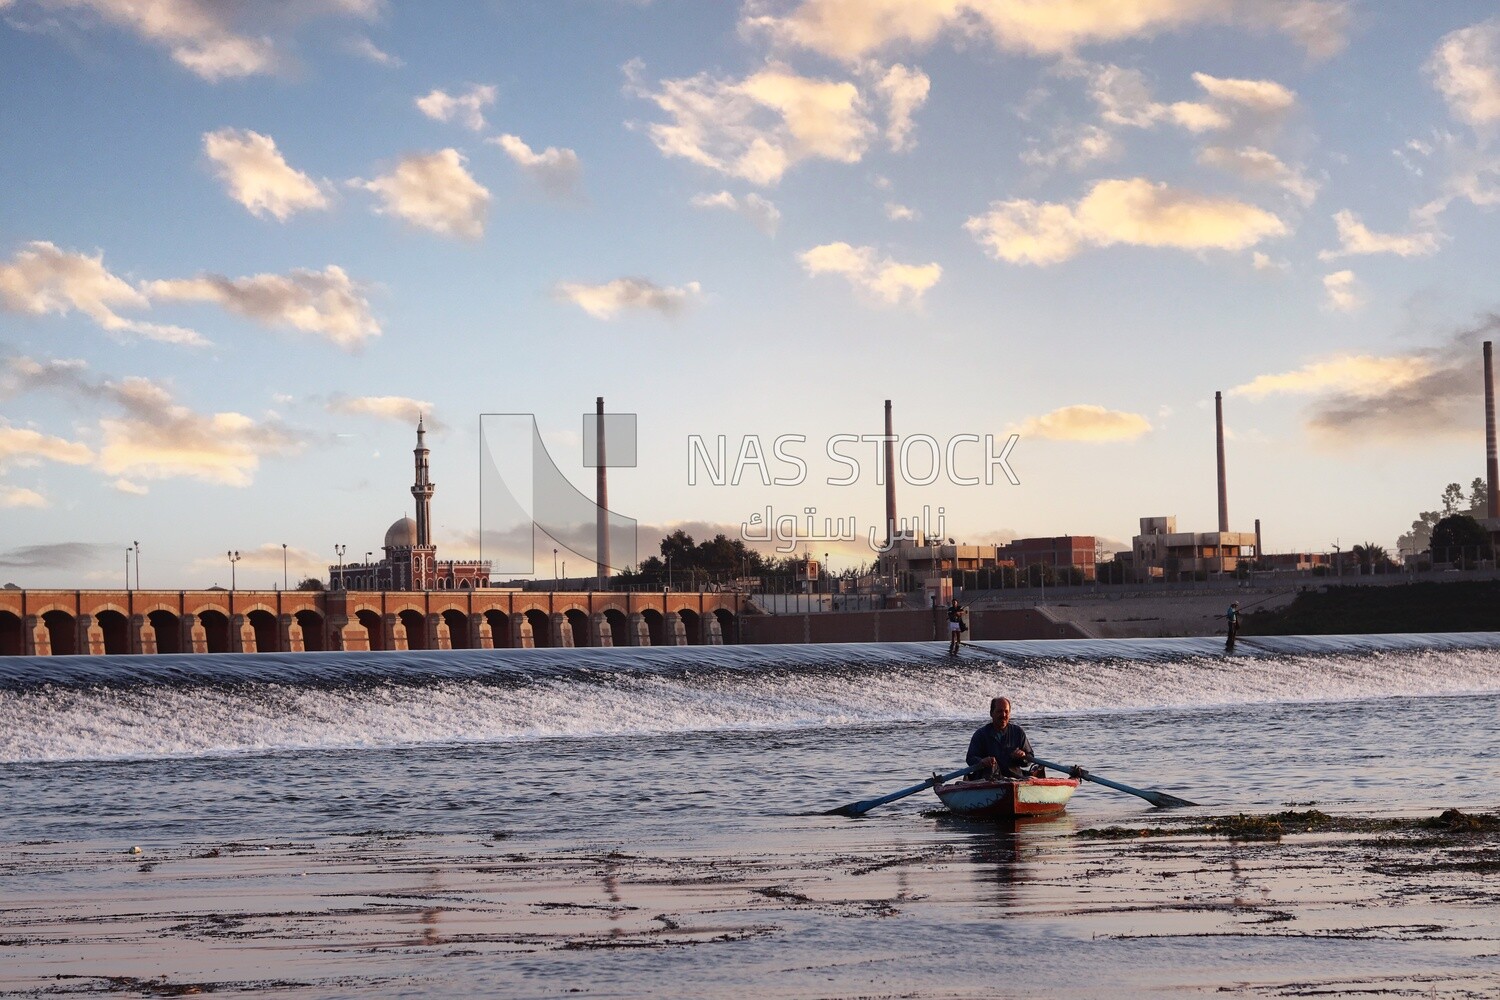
242	246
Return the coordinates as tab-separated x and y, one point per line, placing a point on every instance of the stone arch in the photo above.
374	626
12	635
116	630
541	627
499	628
416	628
62	629
167	628
619	627
215	629
654	626
579	623
458	628
267	631
729	625
692	625
314	635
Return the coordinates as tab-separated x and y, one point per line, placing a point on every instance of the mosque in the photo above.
411	561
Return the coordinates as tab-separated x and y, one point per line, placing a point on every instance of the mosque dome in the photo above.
402	534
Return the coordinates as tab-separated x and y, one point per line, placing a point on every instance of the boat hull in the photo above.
1008	797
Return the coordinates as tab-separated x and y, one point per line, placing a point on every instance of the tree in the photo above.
1459	538
310	583
1419	538
1371	558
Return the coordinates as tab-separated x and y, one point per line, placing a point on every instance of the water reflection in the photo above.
1003	853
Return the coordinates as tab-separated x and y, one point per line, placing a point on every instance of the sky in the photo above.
243	245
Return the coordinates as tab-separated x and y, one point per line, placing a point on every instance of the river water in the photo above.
700	752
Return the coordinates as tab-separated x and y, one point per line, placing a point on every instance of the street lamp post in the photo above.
339	551
127	569
283	565
137	565
234	557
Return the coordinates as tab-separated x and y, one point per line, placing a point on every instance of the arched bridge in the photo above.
61	622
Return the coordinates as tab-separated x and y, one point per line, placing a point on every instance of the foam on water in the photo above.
93	708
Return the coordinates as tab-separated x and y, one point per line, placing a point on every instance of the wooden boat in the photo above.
1008	796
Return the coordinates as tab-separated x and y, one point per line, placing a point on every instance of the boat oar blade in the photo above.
864	806
1159	799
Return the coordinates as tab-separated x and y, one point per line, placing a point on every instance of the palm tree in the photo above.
1371	557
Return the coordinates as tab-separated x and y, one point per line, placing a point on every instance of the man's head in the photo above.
1234	604
1000	712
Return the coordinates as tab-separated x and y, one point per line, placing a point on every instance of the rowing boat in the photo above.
1008	796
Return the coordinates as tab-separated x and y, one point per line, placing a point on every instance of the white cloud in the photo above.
1264	97
433	191
760	211
1086	422
1264	262
213	39
123	485
905	90
1465	68
1343	291
1355	238
1133	211
885	279
758	127
19	496
43	279
366	49
401	408
556	170
467	108
1358	374
323	302
607	300
1075	148
1260	166
852	29
897	212
257	176
23	446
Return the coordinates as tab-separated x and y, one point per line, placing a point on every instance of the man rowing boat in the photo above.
999	745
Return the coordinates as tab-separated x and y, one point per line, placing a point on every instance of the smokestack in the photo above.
601	533
1223	486
1258	550
1490	466
890	479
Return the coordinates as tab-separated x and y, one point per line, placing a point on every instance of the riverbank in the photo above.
1403	905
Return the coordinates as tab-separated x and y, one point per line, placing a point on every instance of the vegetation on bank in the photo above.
1460	606
1274	826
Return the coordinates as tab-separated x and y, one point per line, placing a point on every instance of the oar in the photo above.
1160	799
860	808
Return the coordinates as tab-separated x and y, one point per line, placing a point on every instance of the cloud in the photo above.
43	279
1465	68
154	437
269	556
123	485
433	191
1263	97
852	29
21	445
1133	211
1264	262
556	170
368	50
1086	422
1355	238
607	300
401	408
1433	391
257	176
900	213
56	555
905	91
761	212
1074	148
212	39
19	496
885	279
1343	291
467	109
755	129
324	302
1260	166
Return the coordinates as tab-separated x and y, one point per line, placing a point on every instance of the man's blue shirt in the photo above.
999	744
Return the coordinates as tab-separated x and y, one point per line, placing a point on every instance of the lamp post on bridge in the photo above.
554	569
339	551
127	569
234	557
137	564
283	565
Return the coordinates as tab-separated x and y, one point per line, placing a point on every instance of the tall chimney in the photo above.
1259	552
1492	472
601	533
1223	486
890	479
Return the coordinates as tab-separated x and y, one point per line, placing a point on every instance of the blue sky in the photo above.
242	245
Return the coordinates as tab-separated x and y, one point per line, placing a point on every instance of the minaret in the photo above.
1491	465
890	479
423	489
601	485
1223	486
